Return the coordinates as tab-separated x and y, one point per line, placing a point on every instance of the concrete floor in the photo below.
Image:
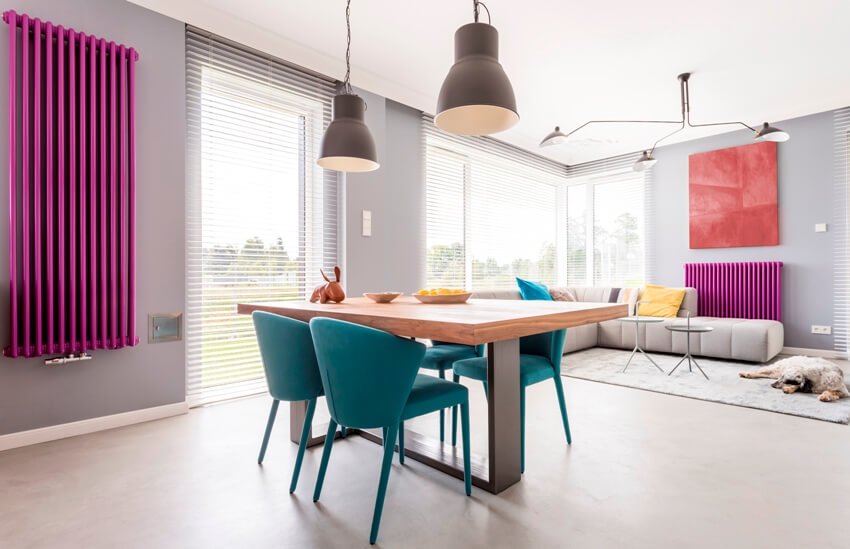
645	470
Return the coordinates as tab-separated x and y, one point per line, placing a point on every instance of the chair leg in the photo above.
560	389
442	413
464	425
302	442
401	442
326	454
269	425
522	428
485	390
386	465
456	379
342	431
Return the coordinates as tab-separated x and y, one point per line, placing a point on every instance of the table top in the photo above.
472	323
693	328
640	319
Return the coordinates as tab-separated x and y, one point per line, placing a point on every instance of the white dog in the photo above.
804	374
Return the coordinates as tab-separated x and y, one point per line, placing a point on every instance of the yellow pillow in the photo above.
663	301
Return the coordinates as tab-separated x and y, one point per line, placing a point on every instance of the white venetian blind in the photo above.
841	228
615	202
261	216
493	213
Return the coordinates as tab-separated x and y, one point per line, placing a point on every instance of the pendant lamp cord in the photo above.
346	84
475	4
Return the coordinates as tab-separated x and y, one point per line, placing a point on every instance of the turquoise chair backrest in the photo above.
289	360
549	345
367	374
479	349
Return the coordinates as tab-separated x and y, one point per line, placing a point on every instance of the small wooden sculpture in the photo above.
329	291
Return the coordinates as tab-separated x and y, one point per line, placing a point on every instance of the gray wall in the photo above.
393	258
33	395
805	165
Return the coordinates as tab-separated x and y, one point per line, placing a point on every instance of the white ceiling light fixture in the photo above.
647	160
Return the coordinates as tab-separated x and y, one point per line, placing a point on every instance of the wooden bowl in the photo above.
382	297
447	298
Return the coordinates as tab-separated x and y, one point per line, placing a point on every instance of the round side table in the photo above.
638	320
689	329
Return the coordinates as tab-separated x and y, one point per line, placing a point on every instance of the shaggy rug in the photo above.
724	386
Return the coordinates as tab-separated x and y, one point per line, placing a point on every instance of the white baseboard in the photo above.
85	426
825	353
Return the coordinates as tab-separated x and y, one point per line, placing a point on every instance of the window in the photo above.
492	213
841	229
261	216
606	213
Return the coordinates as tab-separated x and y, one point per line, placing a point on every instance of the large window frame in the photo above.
450	167
254	125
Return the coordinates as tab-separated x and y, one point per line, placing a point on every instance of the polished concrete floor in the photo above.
645	471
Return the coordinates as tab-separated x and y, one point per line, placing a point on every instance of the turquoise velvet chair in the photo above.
441	357
370	380
292	373
539	360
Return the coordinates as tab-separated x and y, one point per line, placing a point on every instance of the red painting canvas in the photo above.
733	197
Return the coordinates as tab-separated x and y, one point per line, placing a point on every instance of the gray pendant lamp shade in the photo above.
555	137
476	98
770	133
347	145
645	162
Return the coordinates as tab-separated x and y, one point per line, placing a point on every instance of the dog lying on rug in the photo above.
804	374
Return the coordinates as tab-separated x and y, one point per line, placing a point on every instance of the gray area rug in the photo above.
724	386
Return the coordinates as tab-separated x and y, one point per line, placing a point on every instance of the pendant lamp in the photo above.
476	97
347	145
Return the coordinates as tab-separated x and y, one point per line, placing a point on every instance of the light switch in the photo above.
820	227
367	223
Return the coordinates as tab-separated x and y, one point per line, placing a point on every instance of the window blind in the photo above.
492	212
261	216
614	225
841	228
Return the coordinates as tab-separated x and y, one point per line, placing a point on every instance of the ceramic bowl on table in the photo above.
443	298
382	297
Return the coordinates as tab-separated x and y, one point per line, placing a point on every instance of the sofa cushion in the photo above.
689	303
533	290
580	337
497	294
661	301
562	294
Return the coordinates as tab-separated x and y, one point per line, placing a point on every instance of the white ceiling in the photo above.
753	60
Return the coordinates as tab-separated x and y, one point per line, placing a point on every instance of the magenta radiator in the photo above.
72	190
737	290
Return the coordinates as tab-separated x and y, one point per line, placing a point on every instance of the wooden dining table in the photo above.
498	323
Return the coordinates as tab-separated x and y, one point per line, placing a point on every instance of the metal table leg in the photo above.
636	349
690	358
502	468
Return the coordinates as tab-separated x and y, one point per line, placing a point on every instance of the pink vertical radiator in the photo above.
72	190
737	290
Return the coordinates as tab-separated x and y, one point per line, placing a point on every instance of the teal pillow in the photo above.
533	290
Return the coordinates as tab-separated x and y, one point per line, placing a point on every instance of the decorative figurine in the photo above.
329	290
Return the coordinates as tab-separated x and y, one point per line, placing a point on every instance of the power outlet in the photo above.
822	330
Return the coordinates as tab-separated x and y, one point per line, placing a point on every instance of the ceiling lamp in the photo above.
555	137
347	145
476	97
647	160
769	133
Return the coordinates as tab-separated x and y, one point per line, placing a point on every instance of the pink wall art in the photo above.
733	197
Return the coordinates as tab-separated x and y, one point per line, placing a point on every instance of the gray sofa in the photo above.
732	338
